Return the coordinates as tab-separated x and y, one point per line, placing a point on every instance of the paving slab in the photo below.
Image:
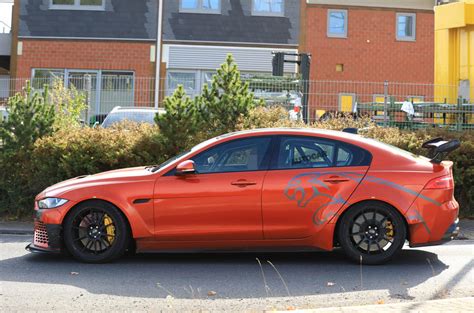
444	305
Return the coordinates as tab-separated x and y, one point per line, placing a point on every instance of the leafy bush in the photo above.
69	105
267	117
84	151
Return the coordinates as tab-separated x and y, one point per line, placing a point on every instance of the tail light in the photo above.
443	182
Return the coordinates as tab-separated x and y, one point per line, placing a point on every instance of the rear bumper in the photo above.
451	233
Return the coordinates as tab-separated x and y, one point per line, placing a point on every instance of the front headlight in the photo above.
51	203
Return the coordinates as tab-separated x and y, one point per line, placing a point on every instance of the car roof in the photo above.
136	109
293	131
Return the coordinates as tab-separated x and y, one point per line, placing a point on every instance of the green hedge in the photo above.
66	154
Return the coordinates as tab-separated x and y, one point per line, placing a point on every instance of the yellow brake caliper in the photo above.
389	232
110	228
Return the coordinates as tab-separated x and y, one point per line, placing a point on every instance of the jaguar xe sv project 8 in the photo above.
258	189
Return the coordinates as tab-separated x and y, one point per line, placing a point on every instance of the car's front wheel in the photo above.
96	232
371	232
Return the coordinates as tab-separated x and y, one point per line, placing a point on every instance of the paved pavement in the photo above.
445	305
235	282
16	228
466	229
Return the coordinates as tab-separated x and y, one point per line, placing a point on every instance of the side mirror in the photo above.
185	168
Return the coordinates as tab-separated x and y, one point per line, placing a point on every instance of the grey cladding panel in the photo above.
209	58
234	24
128	19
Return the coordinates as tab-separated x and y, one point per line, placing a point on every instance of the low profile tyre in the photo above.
372	232
96	232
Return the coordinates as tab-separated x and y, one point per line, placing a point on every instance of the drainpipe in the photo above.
158	52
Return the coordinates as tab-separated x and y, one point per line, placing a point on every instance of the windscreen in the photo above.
137	117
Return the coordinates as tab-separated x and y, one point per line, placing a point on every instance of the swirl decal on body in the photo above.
295	191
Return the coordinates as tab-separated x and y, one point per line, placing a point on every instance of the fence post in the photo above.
88	88
459	115
385	102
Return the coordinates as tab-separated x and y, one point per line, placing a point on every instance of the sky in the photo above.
5	13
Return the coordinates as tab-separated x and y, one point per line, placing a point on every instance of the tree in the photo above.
30	116
180	124
228	98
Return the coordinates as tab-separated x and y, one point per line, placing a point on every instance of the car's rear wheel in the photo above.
96	232
371	232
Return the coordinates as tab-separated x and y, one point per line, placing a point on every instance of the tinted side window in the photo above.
241	155
308	152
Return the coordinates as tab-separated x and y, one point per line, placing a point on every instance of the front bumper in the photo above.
46	238
451	234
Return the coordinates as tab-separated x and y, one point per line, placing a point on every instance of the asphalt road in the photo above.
228	282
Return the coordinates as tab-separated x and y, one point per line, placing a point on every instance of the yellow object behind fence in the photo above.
454	51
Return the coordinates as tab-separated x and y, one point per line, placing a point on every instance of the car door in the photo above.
221	201
309	180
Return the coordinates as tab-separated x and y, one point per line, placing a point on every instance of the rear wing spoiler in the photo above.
438	148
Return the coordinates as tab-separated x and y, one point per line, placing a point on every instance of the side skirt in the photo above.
302	245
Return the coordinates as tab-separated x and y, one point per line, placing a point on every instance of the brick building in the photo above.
115	42
368	41
111	41
197	37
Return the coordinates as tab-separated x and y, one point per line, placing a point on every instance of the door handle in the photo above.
336	180
243	183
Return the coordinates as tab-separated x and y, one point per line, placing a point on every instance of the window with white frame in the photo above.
188	79
268	7
200	6
406	26
43	77
337	23
194	81
77	5
207	78
107	89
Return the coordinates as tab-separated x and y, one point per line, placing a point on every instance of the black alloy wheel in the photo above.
372	232
96	232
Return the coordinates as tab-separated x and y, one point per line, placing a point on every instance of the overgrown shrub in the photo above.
31	116
85	151
69	105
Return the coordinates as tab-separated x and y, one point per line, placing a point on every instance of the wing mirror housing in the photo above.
185	168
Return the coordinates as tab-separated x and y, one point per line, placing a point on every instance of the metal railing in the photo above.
4	28
405	105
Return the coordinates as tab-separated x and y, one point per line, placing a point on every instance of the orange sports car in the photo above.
258	189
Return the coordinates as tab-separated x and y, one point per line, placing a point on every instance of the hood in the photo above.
117	176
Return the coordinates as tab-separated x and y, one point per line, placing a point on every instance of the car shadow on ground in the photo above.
232	276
